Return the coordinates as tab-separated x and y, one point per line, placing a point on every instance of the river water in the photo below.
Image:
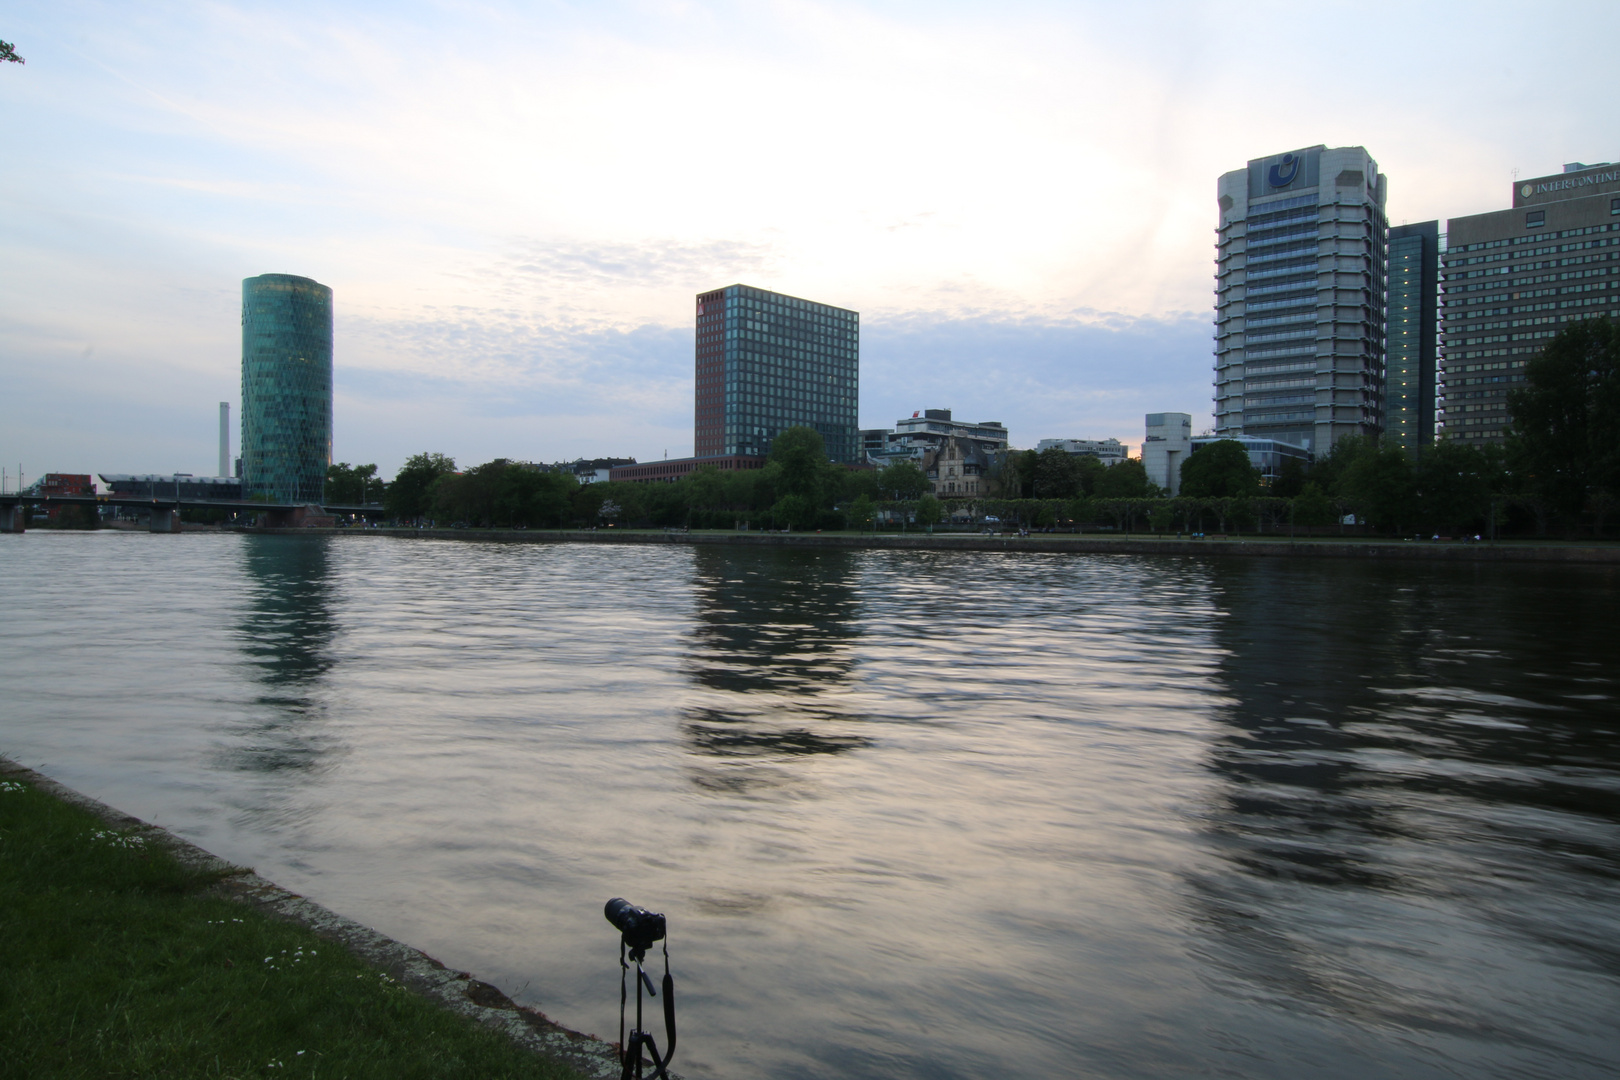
910	814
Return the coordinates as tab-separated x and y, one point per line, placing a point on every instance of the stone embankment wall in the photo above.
1515	552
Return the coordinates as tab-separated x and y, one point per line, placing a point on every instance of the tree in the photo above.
1565	433
408	495
590	502
861	513
902	481
930	511
1219	470
348	485
1312	507
795	512
1126	480
1329	469
8	53
1023	463
1290	479
1090	468
503	494
802	458
1454	483
705	489
1381	486
1057	474
853	483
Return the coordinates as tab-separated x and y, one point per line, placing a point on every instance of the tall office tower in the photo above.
766	362
1299	298
1413	334
286	387
1514	278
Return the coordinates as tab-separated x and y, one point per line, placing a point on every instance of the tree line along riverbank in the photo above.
130	953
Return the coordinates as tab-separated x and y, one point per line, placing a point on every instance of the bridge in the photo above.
165	512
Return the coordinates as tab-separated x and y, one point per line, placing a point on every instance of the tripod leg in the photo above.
660	1064
632	1057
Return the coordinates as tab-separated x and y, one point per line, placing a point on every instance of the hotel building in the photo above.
1514	278
1299	298
767	362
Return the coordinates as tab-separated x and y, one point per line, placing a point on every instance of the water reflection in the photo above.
285	633
1428	772
772	652
1009	816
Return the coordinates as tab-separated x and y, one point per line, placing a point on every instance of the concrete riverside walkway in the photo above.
1514	551
459	992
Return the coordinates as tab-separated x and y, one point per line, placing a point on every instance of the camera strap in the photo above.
624	972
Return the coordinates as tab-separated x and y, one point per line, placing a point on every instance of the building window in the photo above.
1614	206
1535	219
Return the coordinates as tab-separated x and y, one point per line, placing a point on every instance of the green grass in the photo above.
117	961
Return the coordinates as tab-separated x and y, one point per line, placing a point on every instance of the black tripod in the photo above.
639	929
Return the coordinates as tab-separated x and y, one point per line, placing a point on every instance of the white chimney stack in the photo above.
224	439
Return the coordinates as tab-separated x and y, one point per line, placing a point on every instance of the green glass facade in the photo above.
1412	329
286	387
767	362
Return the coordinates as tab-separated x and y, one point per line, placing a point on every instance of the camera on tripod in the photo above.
639	929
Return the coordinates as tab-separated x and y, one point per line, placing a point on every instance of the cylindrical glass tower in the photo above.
286	387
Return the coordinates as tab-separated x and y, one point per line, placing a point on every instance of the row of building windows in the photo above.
1286	235
1538	237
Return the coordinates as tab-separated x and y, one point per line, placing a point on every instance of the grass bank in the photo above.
121	960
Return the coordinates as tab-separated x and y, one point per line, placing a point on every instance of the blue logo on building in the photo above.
1285	172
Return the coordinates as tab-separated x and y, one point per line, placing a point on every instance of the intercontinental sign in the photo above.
1532	190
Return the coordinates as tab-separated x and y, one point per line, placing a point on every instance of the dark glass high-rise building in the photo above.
1412	334
286	387
767	362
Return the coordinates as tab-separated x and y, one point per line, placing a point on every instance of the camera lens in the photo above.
639	926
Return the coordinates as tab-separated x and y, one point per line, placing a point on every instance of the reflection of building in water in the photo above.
285	635
773	647
1384	760
1293	676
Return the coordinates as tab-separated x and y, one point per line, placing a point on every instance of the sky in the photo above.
515	204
